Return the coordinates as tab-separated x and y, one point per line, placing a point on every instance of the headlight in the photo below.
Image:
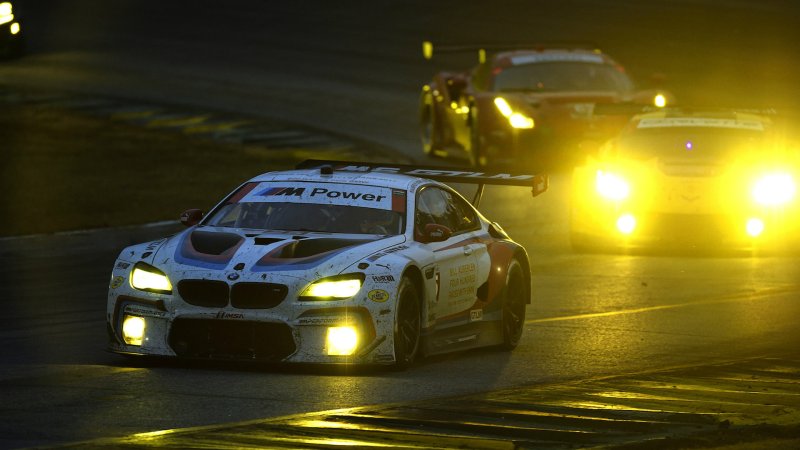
774	189
660	101
334	288
612	186
515	119
6	12
147	278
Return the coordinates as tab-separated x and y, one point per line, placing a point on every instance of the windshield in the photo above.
562	76
319	207
707	142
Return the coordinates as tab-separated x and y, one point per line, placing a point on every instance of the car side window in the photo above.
435	205
461	216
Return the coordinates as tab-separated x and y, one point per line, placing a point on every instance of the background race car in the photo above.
12	41
691	179
354	264
531	105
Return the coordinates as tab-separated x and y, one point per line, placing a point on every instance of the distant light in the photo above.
689	145
427	49
626	224
755	227
660	101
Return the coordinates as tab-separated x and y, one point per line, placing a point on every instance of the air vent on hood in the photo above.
213	243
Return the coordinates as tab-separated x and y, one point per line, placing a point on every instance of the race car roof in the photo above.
521	57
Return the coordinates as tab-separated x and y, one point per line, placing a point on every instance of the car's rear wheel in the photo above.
514	303
407	325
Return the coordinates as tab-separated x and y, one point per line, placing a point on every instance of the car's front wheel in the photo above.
514	303
407	325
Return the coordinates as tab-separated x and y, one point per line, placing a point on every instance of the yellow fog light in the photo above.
754	227
133	330
14	28
342	340
612	186
626	224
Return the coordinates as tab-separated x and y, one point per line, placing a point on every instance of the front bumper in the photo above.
276	331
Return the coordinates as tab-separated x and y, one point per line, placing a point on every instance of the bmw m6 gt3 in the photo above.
360	263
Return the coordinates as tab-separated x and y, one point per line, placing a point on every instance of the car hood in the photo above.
302	255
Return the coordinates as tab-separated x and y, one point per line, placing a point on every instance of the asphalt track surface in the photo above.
354	70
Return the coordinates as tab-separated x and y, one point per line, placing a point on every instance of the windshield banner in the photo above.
322	193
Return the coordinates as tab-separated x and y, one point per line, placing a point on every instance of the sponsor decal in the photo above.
122	265
227	315
154	245
383	358
383	278
700	122
144	312
388	251
116	282
378	295
475	315
326	193
323	320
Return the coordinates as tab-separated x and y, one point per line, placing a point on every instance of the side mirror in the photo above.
191	217
433	232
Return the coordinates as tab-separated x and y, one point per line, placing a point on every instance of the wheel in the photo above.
407	324
514	303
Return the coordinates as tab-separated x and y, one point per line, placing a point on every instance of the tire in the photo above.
407	325
514	304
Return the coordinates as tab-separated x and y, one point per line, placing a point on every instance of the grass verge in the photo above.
63	170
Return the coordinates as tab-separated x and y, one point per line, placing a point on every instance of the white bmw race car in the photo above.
337	263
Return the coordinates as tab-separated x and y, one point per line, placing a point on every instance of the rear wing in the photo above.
428	48
537	183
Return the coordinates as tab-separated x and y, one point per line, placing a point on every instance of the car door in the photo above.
460	261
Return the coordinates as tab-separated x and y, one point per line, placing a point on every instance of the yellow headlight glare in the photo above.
341	341
334	288
147	278
515	119
775	189
612	186
133	328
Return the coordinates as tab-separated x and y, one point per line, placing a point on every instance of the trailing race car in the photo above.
525	106
12	42
339	263
688	180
